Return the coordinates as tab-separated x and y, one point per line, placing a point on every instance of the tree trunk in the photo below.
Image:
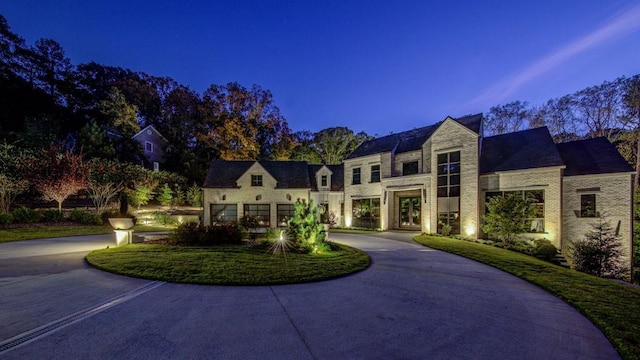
124	203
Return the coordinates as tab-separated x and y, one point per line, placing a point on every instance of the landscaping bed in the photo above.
227	264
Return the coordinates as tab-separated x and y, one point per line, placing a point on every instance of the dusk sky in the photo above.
373	66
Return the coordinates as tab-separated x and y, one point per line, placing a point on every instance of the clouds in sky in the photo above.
623	24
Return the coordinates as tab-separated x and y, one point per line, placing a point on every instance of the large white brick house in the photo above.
442	174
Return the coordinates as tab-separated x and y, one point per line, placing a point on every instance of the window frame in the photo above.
414	169
588	213
148	146
376	178
324	180
356	179
261	211
227	219
256	180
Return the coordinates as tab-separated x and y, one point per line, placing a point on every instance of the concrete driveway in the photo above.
412	303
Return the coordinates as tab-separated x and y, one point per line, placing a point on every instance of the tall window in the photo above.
366	213
285	212
375	173
588	205
324	181
356	176
410	168
256	180
224	213
536	197
449	191
148	147
260	211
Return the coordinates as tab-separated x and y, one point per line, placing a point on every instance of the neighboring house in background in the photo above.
444	174
153	146
268	190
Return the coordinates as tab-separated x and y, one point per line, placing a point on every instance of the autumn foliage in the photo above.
55	173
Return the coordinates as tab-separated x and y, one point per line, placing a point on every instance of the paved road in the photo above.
412	303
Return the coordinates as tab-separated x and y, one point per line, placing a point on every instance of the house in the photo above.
153	147
444	173
268	190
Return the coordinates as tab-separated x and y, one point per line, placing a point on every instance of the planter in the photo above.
121	223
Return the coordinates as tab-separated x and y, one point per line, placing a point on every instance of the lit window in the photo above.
262	212
224	213
285	212
256	180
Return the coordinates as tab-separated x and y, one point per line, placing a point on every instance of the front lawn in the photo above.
227	265
41	231
611	306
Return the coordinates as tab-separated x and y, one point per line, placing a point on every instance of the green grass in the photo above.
227	265
611	306
54	231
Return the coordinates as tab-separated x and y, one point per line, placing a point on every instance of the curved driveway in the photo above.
412	303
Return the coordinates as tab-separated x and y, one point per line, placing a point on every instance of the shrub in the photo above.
25	215
85	217
445	229
52	216
5	218
599	252
193	234
161	217
544	249
304	229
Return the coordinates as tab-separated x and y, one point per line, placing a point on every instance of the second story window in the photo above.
410	168
588	205
356	176
323	181
375	173
256	180
148	147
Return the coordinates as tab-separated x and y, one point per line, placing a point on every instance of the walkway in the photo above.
412	303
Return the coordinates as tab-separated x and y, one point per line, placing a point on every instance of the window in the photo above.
366	213
536	223
260	211
224	213
410	168
148	147
156	166
448	192
356	176
375	173
588	205
256	180
324	181
284	212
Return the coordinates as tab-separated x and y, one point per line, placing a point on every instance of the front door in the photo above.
410	217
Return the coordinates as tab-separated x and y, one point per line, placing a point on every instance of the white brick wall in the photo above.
451	136
613	197
547	179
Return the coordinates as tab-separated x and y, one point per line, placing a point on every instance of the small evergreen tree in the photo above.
600	252
507	217
165	196
194	195
304	226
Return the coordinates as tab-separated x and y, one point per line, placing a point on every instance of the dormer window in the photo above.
324	181
148	147
256	180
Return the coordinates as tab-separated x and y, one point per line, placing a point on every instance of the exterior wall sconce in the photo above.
224	197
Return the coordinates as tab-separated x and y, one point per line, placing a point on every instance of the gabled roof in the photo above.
592	156
337	176
288	174
526	149
410	140
153	129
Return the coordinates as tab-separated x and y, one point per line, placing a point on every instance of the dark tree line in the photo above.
95	109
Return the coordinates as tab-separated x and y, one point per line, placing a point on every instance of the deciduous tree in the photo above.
507	217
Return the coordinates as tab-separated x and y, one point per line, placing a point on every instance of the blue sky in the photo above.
373	66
